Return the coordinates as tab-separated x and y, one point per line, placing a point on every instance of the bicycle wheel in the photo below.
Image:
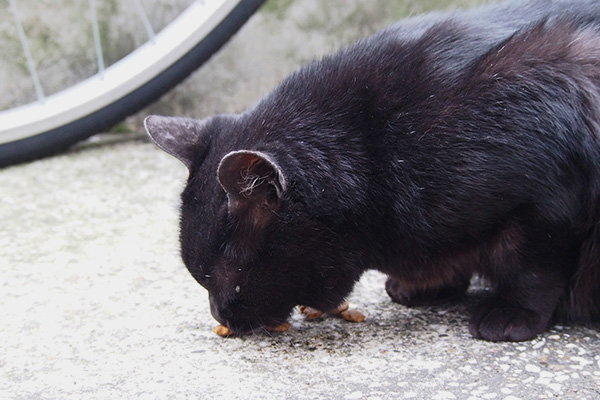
56	122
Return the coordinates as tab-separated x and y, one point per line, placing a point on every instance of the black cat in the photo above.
444	146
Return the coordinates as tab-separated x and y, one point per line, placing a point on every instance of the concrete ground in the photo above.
96	304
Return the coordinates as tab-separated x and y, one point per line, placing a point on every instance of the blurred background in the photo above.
279	38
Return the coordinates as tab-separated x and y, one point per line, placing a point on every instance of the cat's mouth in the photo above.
248	323
343	310
229	329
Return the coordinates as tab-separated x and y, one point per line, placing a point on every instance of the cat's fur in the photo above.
444	146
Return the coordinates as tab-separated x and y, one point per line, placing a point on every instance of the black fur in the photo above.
444	146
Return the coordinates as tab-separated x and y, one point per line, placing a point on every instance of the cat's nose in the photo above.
220	311
227	312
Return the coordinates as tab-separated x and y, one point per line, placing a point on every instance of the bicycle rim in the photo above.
98	103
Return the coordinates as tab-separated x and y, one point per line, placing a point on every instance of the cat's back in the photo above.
459	37
497	21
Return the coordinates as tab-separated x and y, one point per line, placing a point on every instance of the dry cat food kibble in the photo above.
353	316
222	331
279	328
342	310
311	313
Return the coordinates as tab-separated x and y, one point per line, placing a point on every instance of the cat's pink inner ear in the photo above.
251	176
177	136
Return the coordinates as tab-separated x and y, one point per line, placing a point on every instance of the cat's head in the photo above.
246	234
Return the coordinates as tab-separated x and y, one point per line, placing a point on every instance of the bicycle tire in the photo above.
52	141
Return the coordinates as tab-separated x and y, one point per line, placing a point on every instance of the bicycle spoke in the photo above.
96	31
118	89
144	17
30	64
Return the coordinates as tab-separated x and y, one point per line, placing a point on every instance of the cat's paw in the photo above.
497	320
399	293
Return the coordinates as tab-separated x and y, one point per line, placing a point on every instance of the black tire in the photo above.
56	140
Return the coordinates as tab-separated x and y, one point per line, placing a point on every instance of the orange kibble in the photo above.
353	316
341	308
279	328
311	313
222	331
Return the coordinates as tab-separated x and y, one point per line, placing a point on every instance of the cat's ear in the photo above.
251	178
177	136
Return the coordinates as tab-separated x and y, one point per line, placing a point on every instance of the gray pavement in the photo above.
96	304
